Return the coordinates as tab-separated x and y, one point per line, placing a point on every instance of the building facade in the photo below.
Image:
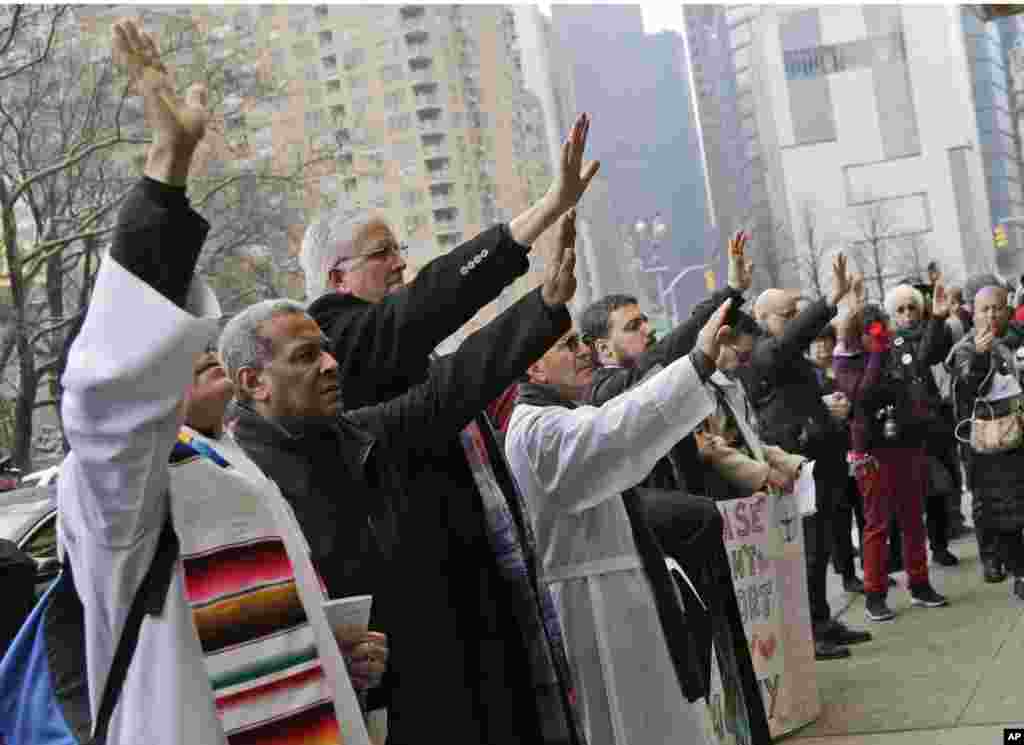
867	127
424	106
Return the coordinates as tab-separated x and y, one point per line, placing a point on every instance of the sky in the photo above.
658	16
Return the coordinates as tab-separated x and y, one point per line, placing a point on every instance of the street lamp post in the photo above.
652	231
674	316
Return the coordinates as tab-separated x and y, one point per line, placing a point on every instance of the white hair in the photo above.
319	249
893	297
241	343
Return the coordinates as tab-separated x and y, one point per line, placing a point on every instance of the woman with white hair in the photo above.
987	365
920	343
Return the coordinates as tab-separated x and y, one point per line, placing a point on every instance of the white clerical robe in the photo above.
125	379
572	465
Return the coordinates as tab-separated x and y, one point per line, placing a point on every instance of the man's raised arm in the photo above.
394	337
124	383
684	336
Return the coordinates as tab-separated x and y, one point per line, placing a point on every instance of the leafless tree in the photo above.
813	248
870	250
71	147
771	260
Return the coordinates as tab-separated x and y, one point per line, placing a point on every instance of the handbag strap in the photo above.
149	600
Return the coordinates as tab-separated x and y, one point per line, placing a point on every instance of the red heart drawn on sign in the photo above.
767	647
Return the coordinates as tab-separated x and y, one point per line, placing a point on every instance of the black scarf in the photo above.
691	657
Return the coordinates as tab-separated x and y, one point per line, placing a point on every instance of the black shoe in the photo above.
824	650
925	595
840	633
944	557
875	608
1018	588
993	572
853	584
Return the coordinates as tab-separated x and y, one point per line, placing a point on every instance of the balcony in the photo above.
420	63
414	21
442	195
436	162
422	76
441	176
432	124
427	97
446	217
416	36
419	48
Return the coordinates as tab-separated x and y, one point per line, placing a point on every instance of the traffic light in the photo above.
999	236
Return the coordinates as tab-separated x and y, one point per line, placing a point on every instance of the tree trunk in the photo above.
876	250
27	383
55	303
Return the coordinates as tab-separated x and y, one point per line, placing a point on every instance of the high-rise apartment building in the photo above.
736	172
425	104
865	117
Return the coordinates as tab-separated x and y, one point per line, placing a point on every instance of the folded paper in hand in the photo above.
804	492
350	611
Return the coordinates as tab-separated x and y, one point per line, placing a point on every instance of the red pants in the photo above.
897	486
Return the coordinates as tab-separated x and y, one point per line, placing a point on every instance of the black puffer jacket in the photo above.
783	385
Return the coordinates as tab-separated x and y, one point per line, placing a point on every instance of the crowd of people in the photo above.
509	507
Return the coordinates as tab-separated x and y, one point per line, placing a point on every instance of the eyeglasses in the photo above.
401	250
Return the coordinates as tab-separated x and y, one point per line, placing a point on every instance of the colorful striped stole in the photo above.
260	648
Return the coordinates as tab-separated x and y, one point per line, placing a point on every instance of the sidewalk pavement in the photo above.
932	676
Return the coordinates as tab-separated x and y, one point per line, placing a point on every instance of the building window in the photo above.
312	73
354	57
394	101
357	83
313	119
399	122
391	73
330	62
326	38
411	197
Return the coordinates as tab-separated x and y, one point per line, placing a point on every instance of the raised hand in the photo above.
573	175
714	333
840	279
741	269
560	277
176	124
940	300
983	338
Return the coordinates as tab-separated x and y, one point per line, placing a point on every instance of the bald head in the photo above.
775	308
